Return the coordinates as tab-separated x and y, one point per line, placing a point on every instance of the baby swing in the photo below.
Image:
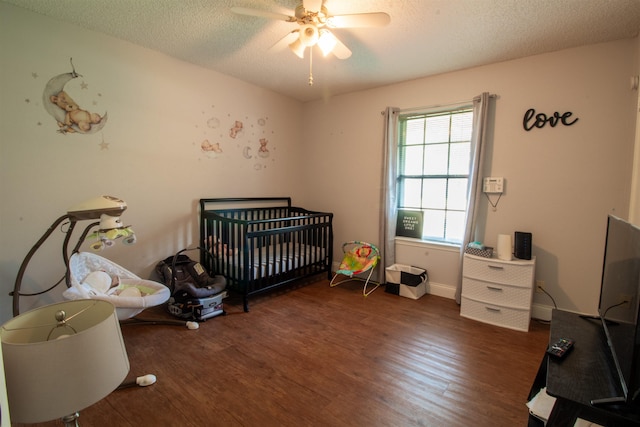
90	276
95	277
359	257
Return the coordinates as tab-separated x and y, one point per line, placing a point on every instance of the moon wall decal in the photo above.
91	123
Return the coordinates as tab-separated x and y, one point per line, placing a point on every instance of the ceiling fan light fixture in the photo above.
298	48
313	20
326	41
308	35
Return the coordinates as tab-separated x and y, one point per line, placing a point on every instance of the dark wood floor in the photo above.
321	356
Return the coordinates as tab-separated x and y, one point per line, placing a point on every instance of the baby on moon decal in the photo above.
67	113
210	149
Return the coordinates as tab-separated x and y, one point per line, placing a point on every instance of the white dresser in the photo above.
498	292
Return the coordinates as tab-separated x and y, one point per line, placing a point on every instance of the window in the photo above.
433	170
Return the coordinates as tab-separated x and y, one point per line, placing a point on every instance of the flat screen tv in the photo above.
619	305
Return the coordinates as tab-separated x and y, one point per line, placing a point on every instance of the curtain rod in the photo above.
408	110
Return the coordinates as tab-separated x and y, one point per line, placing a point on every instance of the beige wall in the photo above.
560	182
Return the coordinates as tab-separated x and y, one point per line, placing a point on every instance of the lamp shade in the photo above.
62	358
298	48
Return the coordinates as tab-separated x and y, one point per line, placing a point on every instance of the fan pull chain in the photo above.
311	66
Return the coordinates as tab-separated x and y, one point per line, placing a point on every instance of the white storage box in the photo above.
406	281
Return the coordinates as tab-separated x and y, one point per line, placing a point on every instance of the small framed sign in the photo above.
409	223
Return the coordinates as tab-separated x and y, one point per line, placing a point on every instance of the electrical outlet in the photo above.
540	286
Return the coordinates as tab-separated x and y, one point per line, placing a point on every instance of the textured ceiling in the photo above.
425	37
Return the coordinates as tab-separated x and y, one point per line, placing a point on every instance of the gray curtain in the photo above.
480	113
388	203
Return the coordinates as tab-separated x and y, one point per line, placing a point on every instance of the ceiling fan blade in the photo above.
312	5
340	50
359	20
262	14
284	42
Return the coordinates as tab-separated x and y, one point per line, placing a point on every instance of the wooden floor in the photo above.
321	356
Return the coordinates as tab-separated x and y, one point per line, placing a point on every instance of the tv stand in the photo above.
584	382
608	401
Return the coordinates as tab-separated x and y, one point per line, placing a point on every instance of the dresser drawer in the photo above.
515	273
507	317
497	293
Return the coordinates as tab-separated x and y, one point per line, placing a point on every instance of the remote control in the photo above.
560	348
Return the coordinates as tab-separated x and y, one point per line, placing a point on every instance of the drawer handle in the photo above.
494	288
496	267
497	310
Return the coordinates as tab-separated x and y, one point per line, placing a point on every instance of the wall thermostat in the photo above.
493	184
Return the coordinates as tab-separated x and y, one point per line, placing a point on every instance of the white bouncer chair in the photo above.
93	277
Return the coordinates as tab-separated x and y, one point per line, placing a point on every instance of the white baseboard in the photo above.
441	290
538	311
437	289
542	312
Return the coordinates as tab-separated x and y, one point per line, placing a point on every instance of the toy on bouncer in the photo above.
359	258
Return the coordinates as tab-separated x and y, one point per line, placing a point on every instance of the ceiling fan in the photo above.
314	21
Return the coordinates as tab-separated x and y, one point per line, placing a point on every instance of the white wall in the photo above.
560	182
159	112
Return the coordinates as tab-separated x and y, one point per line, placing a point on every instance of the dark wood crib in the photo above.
260	244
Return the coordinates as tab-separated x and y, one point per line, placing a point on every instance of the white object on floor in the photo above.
146	380
193	325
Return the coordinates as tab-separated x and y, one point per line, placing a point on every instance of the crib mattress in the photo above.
278	259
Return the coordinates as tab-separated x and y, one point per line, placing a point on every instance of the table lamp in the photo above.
62	358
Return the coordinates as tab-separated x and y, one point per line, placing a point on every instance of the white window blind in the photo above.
433	169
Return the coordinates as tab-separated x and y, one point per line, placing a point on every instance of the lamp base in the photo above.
71	420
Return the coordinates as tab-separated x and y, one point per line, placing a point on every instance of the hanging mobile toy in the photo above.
111	228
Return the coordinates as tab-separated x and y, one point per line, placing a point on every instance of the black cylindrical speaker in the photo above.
522	245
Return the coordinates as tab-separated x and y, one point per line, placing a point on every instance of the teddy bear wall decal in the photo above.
230	136
67	113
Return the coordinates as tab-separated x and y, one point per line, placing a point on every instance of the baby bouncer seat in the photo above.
95	277
359	258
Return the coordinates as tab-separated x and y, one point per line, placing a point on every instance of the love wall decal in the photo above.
532	120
